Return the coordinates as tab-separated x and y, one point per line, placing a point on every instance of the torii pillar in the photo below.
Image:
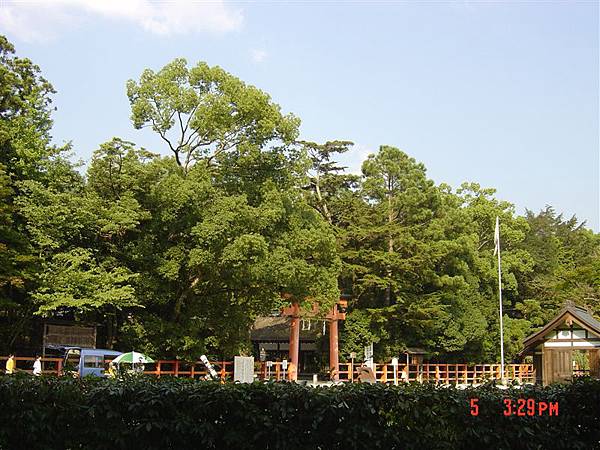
337	312
294	312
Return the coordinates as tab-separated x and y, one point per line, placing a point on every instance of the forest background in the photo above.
176	255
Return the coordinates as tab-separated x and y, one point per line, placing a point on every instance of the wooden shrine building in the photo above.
267	335
568	346
272	334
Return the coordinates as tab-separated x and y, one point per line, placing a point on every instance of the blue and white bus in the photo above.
87	361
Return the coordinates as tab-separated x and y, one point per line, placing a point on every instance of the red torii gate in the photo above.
336	313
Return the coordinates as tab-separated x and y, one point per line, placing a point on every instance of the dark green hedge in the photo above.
54	413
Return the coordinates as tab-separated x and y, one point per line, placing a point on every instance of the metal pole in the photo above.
501	321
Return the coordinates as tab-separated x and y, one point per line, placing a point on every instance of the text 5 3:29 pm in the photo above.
520	407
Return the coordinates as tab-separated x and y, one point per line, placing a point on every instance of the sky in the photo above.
504	94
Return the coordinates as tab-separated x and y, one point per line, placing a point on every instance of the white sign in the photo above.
369	356
243	369
369	351
284	364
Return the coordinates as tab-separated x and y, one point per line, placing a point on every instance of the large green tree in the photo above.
202	112
26	154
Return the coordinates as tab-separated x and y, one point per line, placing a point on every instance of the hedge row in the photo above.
147	413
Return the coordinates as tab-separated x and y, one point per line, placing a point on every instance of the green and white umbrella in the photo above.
133	358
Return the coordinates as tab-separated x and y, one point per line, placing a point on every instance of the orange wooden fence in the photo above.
443	373
50	366
384	373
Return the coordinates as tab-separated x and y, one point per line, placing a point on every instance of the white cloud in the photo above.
258	55
354	157
43	20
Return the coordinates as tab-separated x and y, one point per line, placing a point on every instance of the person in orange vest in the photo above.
10	364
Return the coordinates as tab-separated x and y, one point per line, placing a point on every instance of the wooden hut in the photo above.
573	332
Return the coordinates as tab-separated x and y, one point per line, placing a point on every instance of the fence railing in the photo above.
348	372
442	373
50	366
273	370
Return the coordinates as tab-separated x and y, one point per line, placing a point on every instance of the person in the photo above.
139	367
366	375
112	372
10	364
37	366
333	374
292	372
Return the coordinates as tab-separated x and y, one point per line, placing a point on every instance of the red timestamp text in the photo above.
520	407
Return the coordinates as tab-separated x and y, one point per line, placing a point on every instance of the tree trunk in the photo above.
180	300
326	212
110	330
388	290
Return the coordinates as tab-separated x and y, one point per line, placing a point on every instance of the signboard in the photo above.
395	364
243	369
369	351
263	354
284	364
369	356
69	335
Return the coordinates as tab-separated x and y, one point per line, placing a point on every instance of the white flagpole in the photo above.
497	250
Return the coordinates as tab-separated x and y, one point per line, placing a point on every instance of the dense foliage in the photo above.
54	413
176	255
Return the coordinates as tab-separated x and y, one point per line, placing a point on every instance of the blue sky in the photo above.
503	94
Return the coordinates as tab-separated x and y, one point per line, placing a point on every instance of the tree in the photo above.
204	111
565	265
401	197
25	155
325	178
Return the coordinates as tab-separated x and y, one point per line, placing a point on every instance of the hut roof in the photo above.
579	315
278	329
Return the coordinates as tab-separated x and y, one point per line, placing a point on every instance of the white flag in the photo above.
497	236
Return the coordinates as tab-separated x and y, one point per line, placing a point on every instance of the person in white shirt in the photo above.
37	366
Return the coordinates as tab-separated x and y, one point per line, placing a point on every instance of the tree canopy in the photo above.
176	250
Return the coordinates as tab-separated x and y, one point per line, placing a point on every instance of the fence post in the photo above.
177	368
